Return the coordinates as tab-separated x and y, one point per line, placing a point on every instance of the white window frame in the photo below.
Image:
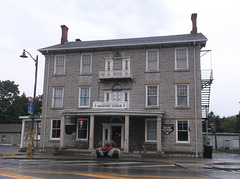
51	130
176	59
89	97
176	95
146	130
78	123
157	105
55	64
177	141
147	68
110	97
53	97
81	65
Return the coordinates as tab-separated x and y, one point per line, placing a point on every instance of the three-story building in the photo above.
126	92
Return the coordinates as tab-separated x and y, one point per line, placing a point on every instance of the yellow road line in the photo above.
12	175
106	176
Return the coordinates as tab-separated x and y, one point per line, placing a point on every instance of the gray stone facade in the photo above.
104	120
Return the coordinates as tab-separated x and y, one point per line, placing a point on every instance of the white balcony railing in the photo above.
115	74
109	105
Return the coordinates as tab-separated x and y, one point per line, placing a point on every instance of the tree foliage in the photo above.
12	105
225	124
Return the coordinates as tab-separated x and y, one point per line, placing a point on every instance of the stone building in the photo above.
127	92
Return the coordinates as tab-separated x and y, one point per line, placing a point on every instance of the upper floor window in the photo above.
152	95
86	63
57	97
181	58
84	97
152	60
116	95
182	95
59	64
117	61
183	131
55	129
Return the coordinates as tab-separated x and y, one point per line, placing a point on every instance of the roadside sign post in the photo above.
80	124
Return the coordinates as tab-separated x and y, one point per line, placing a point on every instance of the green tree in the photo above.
12	105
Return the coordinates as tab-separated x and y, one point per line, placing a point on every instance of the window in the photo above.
117	61
152	95
182	131
55	129
181	59
60	65
151	130
152	60
57	97
83	131
86	61
182	95
84	96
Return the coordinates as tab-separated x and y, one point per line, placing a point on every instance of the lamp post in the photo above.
35	83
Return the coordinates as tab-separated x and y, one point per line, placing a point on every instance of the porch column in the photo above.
62	132
126	141
159	134
91	134
22	133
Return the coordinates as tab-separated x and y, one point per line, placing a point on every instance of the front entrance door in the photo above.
116	136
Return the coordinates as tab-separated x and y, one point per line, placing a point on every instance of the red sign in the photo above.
167	128
81	123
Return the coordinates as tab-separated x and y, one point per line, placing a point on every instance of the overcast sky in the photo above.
32	24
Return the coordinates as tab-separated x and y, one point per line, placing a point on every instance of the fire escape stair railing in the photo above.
205	93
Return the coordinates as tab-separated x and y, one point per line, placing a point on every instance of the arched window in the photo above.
117	61
116	87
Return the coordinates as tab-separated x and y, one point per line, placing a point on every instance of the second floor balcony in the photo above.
111	74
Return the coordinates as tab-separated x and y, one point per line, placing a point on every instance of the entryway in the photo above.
113	133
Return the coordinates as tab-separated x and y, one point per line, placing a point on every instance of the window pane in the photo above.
151	130
181	56
182	95
182	136
86	63
84	96
60	65
117	64
152	60
152	95
58	96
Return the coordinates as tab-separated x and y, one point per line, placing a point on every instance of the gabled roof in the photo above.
10	128
129	42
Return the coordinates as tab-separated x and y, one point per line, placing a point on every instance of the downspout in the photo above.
195	98
46	103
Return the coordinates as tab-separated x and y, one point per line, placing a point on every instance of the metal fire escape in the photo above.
206	81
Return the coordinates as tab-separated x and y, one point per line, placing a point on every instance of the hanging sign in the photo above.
81	122
30	105
167	128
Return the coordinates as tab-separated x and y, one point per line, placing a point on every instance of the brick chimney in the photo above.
64	34
194	23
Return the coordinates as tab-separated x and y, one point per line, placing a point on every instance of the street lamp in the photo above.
35	83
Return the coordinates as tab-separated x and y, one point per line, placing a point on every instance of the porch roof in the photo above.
109	112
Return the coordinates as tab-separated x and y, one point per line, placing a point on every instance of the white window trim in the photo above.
185	142
51	138
78	123
55	61
176	96
176	68
146	93
147	59
79	97
146	140
53	94
81	72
